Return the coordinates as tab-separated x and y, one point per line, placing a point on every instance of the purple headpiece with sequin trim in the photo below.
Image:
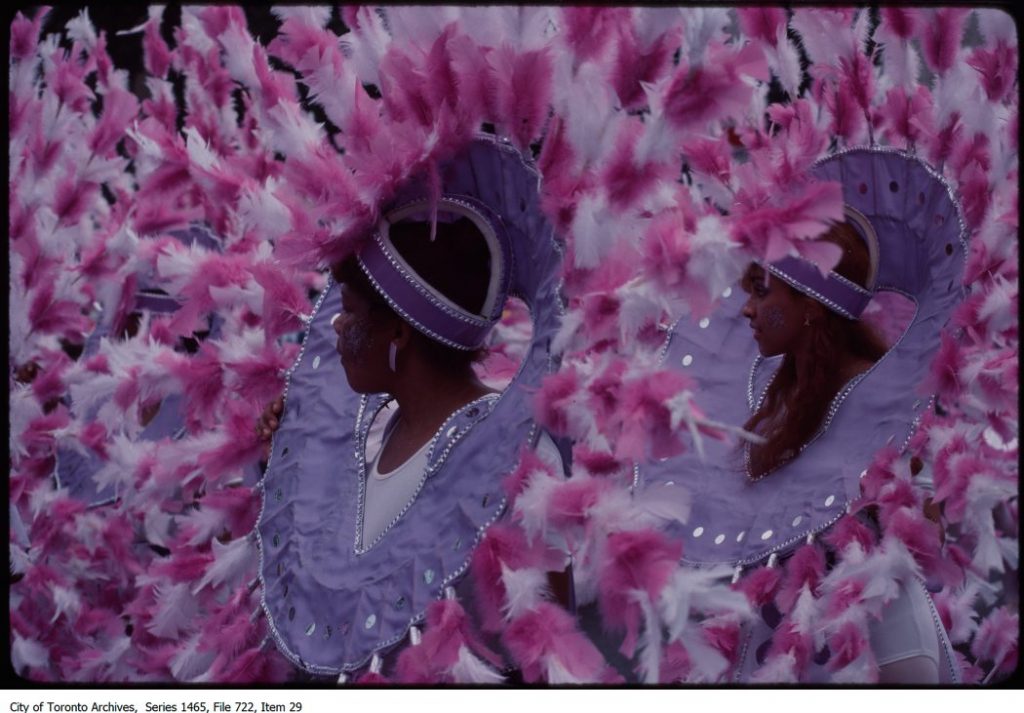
420	304
839	294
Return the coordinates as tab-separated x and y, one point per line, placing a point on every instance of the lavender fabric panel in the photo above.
330	603
922	256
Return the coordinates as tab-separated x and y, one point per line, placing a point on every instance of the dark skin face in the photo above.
364	337
777	313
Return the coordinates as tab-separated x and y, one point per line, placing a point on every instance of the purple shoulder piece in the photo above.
332	601
922	256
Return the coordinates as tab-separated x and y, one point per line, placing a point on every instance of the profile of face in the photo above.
776	312
362	343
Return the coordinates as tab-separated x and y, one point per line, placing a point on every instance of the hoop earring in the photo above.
393	356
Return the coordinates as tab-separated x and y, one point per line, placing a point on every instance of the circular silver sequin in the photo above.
720	539
486	499
766	535
864	472
688	359
739	537
458	543
400	602
370	621
278	495
291	613
473	412
670	482
451	431
727	292
829	500
797	520
698	532
917	403
277	539
327	632
428	576
310	629
704	323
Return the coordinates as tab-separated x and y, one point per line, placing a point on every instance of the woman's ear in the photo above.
814	311
402	334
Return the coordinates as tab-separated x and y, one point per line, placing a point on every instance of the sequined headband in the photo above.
418	302
839	294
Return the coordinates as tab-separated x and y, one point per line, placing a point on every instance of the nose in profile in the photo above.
748	308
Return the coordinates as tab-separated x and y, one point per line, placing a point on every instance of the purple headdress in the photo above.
332	601
419	303
839	294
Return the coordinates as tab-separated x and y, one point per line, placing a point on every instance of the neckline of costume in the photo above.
362	429
389	429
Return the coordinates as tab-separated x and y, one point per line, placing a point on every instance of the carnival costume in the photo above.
333	599
747	521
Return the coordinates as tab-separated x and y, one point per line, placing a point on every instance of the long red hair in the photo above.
796	401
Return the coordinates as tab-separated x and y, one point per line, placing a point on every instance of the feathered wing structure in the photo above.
673	146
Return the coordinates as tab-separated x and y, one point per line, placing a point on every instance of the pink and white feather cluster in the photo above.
613	102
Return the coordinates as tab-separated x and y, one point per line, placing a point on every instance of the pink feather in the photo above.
760	585
240	446
902	22
941	37
804	569
548	633
675	663
504	545
119	108
849	530
641	560
846	645
998	69
589	30
635	65
260	379
705	93
761	23
524	81
25	34
555	399
997	639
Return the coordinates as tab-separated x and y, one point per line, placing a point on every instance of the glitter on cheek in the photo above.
355	339
773	318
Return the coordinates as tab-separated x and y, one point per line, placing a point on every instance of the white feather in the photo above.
230	565
708	665
564	338
593	229
702	25
559	675
367	46
238	55
524	589
26	653
314	16
649	663
189	662
80	29
156	525
996	26
23	409
787	63
230	296
778	669
469	669
65	601
532	504
174	611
